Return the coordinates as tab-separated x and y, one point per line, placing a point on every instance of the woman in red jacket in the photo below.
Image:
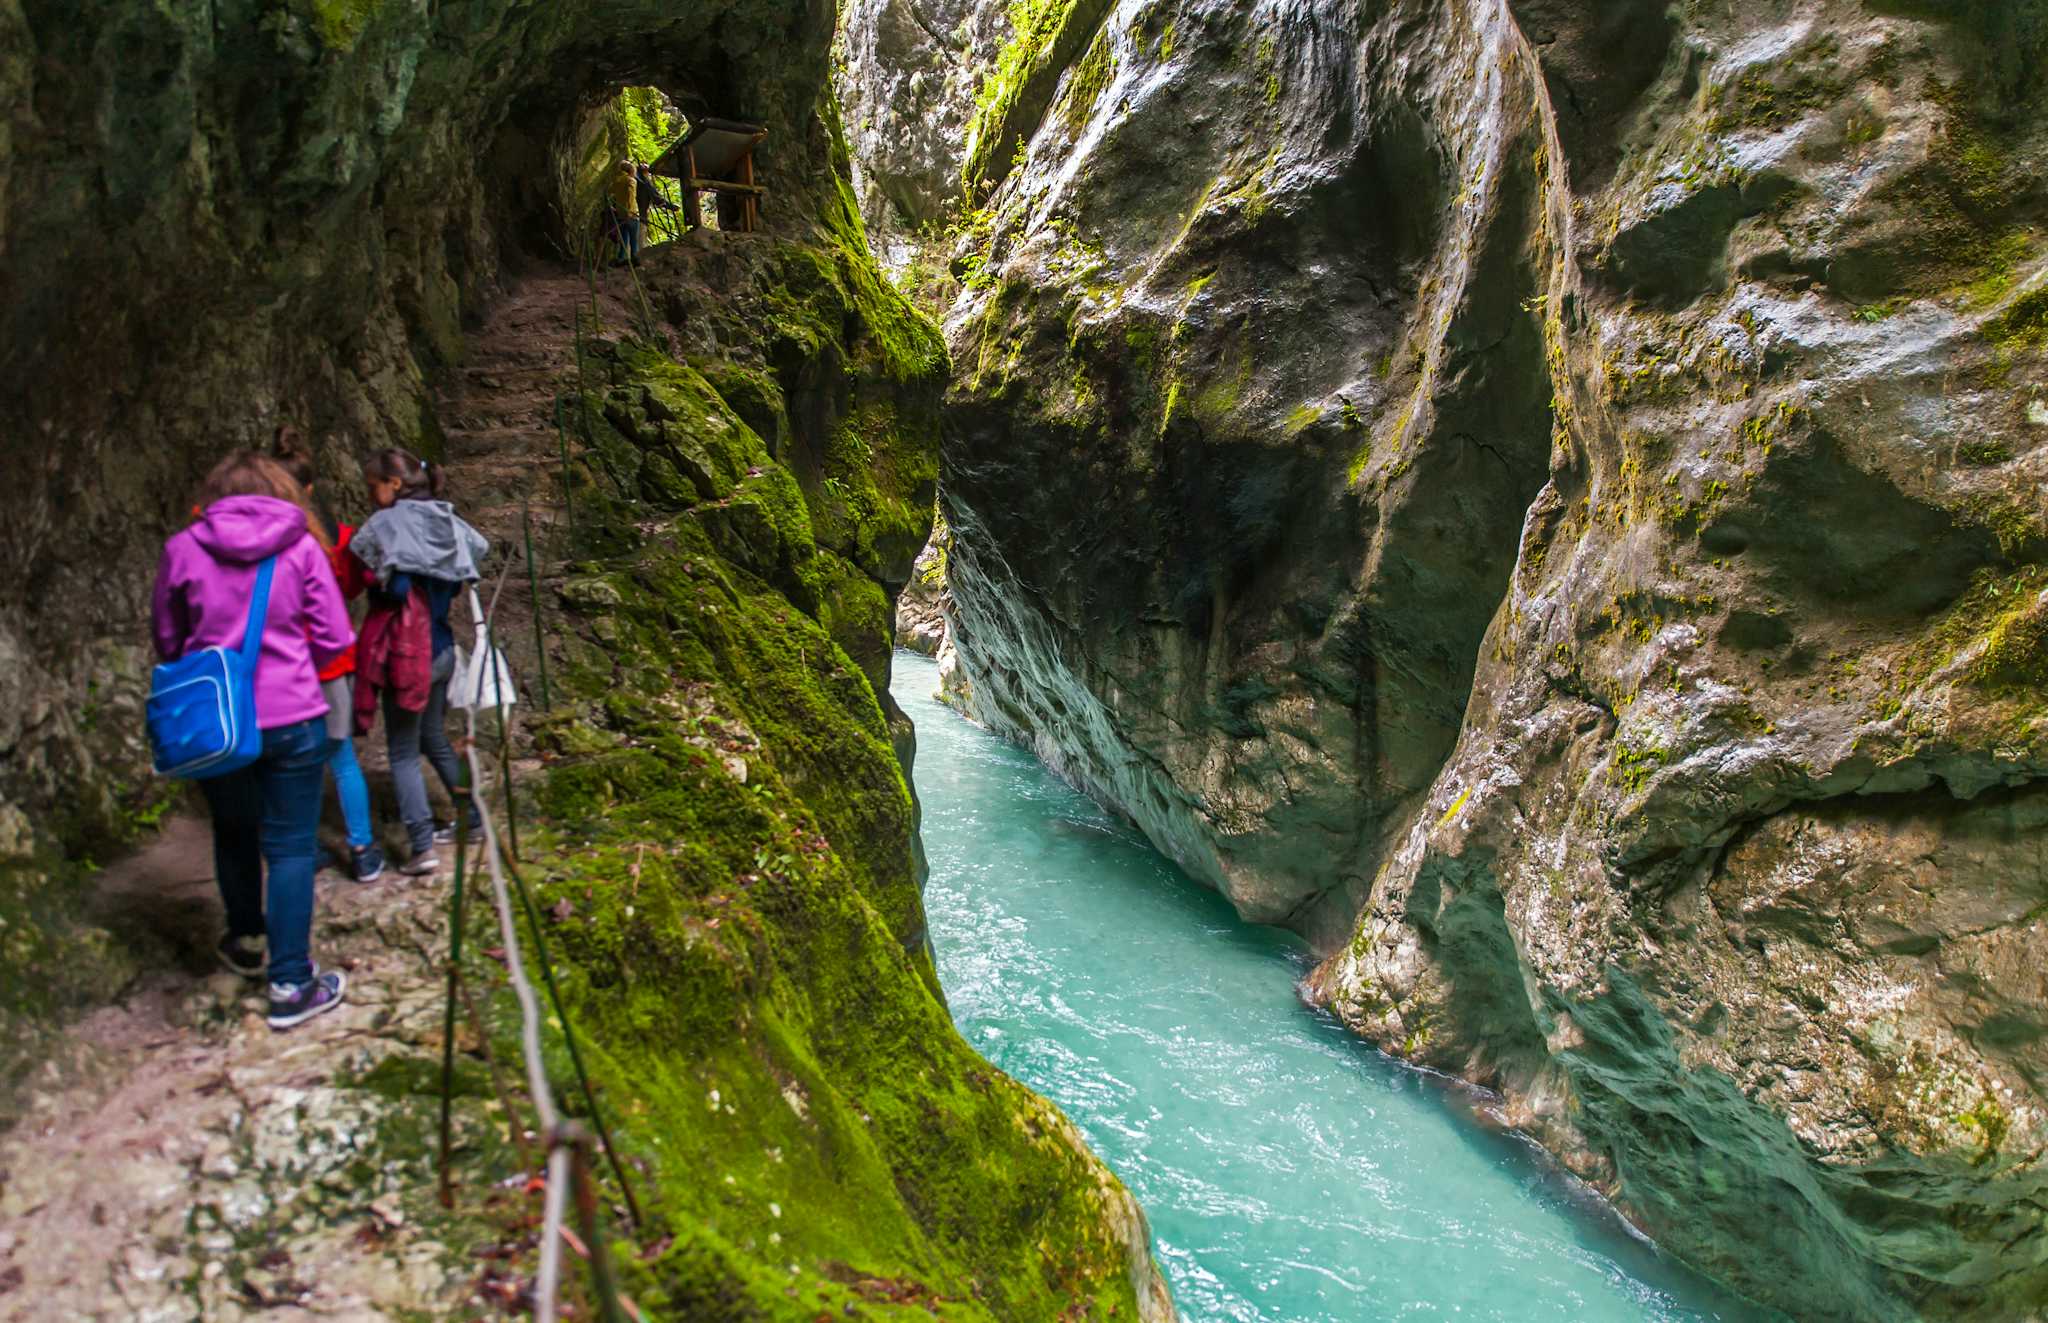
337	680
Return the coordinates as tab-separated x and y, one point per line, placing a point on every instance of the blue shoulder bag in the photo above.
202	707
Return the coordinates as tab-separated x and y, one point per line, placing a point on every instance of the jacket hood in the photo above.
246	529
420	537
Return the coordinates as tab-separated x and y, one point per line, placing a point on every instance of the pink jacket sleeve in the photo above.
167	622
328	629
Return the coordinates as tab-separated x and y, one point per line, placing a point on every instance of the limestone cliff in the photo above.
908	79
1547	498
219	218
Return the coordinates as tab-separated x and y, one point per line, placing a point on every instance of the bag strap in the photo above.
259	613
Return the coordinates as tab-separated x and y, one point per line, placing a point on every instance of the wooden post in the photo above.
750	206
693	206
584	1193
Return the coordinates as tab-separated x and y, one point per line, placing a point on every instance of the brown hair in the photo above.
294	455
418	479
253	473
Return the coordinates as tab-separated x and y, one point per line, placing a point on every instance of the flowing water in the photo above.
1290	1173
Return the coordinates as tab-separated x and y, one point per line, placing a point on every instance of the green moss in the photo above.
2001	612
727	839
1983	453
2024	325
1634	764
1044	36
1172	403
1990	1122
2016	649
341	22
1090	79
2017	525
1804	81
1960	206
743	948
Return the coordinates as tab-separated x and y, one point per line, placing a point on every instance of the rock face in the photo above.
1547	498
907	85
219	219
922	605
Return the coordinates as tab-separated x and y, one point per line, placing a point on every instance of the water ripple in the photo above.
1290	1174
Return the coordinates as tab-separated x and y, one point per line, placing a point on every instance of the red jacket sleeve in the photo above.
329	631
353	576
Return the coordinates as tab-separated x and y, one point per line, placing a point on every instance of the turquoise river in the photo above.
1290	1173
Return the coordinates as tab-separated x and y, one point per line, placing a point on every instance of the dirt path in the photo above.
188	1163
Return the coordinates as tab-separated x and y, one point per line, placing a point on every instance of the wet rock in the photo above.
1539	498
921	607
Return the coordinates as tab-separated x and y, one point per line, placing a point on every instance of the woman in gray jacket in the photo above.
416	545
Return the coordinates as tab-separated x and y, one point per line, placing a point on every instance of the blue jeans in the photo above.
353	792
269	814
629	238
411	734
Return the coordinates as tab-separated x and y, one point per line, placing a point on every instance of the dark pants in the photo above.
269	813
412	734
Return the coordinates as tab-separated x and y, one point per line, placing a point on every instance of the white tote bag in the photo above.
483	678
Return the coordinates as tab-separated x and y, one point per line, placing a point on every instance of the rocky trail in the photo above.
181	1161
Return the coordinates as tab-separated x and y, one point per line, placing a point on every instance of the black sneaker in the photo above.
242	955
369	863
292	1006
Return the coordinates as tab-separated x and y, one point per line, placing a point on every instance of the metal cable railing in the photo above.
567	1166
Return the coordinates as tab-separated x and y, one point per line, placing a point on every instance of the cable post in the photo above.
540	651
584	1191
455	926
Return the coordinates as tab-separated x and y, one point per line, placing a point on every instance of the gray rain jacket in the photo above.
420	537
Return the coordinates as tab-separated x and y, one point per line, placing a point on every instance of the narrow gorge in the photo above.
1544	501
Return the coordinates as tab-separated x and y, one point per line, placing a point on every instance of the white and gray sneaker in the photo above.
424	863
291	1006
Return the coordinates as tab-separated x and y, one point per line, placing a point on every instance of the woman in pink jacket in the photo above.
266	813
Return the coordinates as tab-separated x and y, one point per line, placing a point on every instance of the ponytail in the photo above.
295	457
291	451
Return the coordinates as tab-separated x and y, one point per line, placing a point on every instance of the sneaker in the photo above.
444	832
369	863
422	864
242	955
291	1006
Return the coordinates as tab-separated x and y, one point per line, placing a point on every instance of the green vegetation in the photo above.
2004	614
1090	79
1045	37
2024	325
727	847
341	22
1983	454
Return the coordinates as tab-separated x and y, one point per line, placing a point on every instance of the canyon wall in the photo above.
1546	498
